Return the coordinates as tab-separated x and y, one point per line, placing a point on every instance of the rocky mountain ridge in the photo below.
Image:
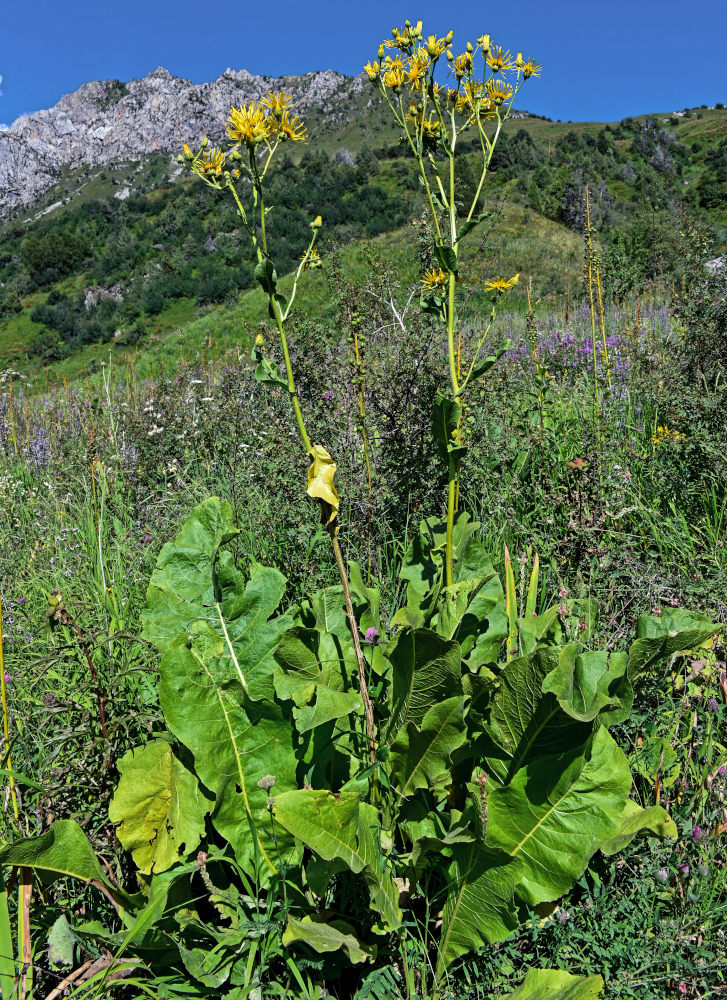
109	121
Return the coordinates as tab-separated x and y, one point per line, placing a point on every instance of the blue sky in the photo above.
602	61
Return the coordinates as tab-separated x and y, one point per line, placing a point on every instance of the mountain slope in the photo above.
109	121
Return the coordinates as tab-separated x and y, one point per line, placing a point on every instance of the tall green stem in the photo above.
453	464
291	381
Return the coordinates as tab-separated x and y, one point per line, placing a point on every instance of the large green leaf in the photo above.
480	907
556	813
318	674
426	670
423	562
446	416
421	755
468	613
64	849
659	637
324	935
592	684
235	742
182	587
554	984
196	580
525	724
636	820
159	805
340	827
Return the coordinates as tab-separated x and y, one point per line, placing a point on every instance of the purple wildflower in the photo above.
663	875
372	634
712	705
684	868
22	600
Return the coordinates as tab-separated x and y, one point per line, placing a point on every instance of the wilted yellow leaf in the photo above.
320	479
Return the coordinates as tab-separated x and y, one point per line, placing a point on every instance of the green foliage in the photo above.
494	784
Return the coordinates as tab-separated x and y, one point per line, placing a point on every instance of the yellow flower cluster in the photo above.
662	435
434	279
415	59
502	285
268	121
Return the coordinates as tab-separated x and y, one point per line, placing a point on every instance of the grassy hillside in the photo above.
166	263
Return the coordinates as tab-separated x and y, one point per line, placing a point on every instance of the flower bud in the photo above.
450	55
316	223
484	42
469	47
407	23
381	52
205	141
188	154
259	340
180	158
519	61
448	37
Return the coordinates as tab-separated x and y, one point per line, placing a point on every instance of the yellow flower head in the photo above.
502	285
531	68
394	73
210	161
248	124
499	60
291	127
462	64
277	101
469	95
310	260
499	91
435	46
434	279
484	43
404	39
418	66
372	70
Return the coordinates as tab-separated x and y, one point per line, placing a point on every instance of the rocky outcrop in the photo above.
107	121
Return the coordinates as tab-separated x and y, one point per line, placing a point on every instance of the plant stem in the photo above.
6	731
67	619
353	625
291	381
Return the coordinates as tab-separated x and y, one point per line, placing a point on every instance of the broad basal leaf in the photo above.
592	684
64	849
159	805
421	755
325	935
635	820
423	562
196	580
480	907
556	813
235	742
524	723
338	826
659	637
426	670
553	984
318	674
